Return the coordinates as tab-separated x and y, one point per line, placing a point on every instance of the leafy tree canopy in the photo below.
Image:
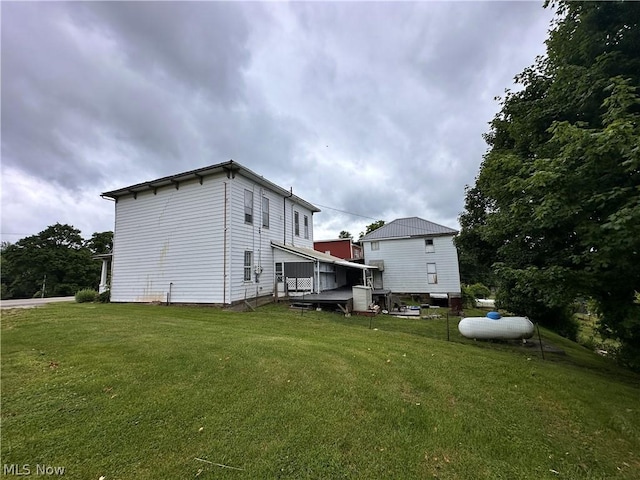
100	243
345	234
555	209
57	258
371	227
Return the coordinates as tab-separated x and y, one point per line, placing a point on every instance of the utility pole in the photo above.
44	285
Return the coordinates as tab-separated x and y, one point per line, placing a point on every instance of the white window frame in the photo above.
248	206
432	274
248	265
265	212
306	226
375	245
296	223
428	245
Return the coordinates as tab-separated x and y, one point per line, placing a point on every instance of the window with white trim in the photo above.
375	245
296	223
432	274
265	212
248	206
248	265
428	245
306	227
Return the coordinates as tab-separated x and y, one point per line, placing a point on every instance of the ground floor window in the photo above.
432	274
248	265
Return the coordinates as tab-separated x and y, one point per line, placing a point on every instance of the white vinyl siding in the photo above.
245	237
163	242
176	239
405	264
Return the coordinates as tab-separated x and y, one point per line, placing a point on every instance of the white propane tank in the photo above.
496	327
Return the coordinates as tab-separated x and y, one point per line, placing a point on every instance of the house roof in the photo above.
316	255
407	228
231	168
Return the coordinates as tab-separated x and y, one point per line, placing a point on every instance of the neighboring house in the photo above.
414	256
340	247
216	235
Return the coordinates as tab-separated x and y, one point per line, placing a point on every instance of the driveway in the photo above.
33	302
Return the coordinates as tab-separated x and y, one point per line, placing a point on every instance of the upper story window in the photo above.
296	224
265	212
375	245
306	227
248	206
428	245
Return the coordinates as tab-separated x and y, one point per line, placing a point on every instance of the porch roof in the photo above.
320	256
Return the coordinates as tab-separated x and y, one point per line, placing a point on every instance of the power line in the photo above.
406	225
344	211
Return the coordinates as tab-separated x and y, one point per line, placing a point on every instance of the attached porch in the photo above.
302	271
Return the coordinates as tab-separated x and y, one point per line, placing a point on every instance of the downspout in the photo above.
224	250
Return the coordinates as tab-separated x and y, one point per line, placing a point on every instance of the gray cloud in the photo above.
376	109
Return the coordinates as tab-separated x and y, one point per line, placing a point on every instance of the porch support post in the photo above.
103	276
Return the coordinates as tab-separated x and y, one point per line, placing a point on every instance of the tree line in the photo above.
554	214
55	262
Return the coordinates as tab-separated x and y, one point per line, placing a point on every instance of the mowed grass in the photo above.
155	392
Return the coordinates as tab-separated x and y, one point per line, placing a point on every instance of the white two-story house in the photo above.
414	256
216	235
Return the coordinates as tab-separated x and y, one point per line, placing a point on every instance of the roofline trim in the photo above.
231	167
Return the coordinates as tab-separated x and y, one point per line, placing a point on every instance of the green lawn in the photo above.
154	392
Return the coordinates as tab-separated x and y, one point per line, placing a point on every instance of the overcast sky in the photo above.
375	109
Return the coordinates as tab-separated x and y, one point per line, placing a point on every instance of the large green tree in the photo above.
100	243
555	210
57	258
371	227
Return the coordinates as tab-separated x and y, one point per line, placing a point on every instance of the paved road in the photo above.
33	302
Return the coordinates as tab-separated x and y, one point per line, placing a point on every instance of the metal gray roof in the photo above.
408	227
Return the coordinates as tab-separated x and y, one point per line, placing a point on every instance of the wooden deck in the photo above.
339	295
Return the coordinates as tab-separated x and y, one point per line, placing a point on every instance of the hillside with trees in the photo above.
554	214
